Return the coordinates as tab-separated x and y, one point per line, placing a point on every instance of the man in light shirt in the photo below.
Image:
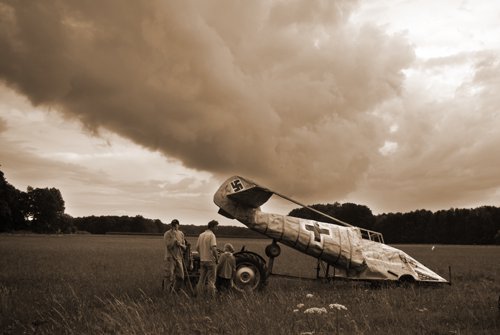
174	248
207	248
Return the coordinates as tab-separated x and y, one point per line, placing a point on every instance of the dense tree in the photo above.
11	206
357	215
497	237
457	226
44	210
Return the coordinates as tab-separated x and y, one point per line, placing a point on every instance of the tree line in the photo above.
453	226
141	225
41	210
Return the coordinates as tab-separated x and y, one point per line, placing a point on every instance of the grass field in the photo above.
87	284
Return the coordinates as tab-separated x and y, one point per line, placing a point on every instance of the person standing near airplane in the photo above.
175	245
209	257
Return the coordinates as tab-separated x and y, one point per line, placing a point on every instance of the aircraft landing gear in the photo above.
273	250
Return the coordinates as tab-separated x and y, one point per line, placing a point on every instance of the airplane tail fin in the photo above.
237	197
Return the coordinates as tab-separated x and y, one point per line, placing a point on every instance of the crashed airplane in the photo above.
350	252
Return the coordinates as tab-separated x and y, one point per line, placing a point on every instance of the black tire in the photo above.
273	250
406	280
250	272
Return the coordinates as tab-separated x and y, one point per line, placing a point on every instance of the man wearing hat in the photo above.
174	247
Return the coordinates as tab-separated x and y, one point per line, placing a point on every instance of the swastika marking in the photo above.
236	185
317	231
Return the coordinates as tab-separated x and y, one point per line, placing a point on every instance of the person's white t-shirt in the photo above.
206	241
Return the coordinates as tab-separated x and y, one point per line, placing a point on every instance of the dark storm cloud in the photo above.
277	91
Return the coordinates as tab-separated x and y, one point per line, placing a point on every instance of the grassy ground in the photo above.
112	284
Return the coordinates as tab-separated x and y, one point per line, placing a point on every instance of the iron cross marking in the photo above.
317	231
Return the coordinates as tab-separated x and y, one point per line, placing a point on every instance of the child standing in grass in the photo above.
226	269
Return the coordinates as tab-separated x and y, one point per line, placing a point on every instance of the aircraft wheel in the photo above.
250	272
406	280
273	250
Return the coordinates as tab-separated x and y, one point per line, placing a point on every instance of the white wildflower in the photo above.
295	310
309	295
300	305
307	333
338	307
422	309
315	310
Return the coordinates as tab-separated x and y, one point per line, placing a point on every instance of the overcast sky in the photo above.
145	107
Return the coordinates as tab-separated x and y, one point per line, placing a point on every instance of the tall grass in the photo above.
112	284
